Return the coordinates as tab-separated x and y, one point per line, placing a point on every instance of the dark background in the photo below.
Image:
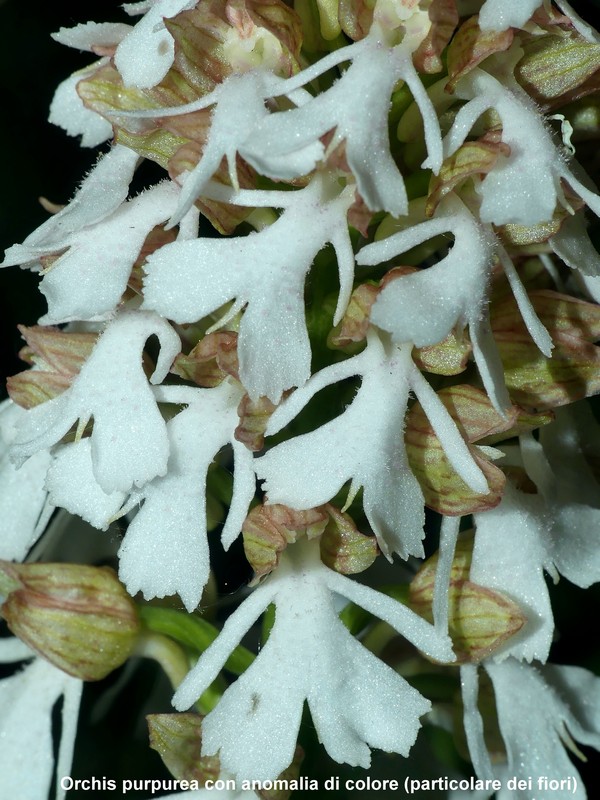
37	158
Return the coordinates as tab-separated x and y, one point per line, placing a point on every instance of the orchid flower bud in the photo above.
80	618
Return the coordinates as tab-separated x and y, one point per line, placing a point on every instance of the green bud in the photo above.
553	67
479	619
343	547
269	529
254	416
80	618
177	738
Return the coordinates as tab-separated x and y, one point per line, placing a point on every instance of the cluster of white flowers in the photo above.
152	442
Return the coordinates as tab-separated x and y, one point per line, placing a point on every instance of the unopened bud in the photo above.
480	620
554	67
80	618
269	529
343	547
177	738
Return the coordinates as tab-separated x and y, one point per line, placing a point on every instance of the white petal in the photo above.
88	34
73	690
574	543
446	430
24	509
473	722
129	440
69	113
267	270
214	657
27	754
13	649
582	187
145	56
509	556
524	187
90	278
372	75
536	329
141	7
309	654
71	485
356	701
244	487
540	709
369	449
569	521
573	245
448	536
101	193
406	622
255	725
580	691
240	108
466	117
489	364
455	287
165	550
498	15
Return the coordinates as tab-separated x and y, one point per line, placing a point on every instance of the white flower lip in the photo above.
356	701
113	389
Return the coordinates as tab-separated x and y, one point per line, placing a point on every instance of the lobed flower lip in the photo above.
287	144
262	709
172	519
562	701
373	72
188	280
524	187
112	388
350	447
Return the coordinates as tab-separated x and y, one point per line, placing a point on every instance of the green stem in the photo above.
192	632
165	652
